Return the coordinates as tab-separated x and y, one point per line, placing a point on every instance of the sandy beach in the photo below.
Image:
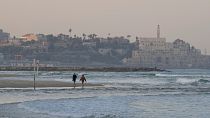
41	84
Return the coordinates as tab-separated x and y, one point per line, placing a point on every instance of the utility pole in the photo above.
36	71
34	64
37	68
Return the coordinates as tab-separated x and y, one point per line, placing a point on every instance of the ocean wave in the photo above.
204	81
182	75
192	81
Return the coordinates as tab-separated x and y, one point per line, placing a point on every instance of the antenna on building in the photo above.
158	31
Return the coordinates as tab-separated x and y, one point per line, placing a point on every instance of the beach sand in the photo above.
41	84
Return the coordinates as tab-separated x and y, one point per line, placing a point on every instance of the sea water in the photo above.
178	93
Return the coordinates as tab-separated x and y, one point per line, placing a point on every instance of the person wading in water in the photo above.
74	77
83	79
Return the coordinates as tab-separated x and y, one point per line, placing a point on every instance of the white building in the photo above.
156	52
89	44
152	43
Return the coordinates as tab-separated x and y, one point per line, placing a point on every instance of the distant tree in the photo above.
50	37
90	36
84	36
94	36
128	36
28	43
109	35
70	30
75	36
137	38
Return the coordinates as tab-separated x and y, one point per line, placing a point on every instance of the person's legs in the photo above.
82	83
74	84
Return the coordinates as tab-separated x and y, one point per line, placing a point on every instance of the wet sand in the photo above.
41	84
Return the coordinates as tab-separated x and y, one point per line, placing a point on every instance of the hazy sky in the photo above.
185	19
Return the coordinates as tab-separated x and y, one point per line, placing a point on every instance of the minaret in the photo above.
158	31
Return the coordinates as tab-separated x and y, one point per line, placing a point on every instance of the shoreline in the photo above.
40	84
96	69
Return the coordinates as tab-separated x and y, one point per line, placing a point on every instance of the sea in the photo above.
180	93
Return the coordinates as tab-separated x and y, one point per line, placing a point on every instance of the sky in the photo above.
188	20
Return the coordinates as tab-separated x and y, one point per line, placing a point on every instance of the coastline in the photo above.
39	84
96	69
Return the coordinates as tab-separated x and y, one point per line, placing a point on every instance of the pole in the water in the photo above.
34	82
37	67
34	64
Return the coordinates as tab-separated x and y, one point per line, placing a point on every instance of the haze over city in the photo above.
184	19
104	58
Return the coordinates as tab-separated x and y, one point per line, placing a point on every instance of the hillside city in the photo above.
92	50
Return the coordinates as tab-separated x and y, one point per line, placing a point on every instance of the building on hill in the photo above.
41	37
63	37
152	43
156	52
4	35
4	43
29	37
105	51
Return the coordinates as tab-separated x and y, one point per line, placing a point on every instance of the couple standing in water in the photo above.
82	79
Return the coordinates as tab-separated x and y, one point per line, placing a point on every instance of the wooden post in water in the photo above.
34	64
37	68
34	82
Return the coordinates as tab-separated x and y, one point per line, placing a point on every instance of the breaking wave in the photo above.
182	75
192	81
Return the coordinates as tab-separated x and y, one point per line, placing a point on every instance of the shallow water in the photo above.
179	93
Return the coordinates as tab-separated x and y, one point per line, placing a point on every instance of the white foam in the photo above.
186	81
16	95
181	75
